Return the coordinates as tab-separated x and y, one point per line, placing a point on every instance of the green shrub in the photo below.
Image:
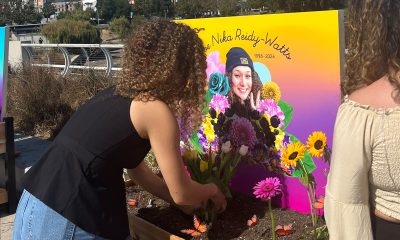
77	14
120	26
71	31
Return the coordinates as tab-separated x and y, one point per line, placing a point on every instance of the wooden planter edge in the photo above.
144	230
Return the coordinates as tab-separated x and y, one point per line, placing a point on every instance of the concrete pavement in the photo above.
30	150
6	225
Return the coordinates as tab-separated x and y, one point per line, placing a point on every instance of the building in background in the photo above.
60	5
89	4
28	33
39	3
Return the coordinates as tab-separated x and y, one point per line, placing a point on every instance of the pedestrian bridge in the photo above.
74	58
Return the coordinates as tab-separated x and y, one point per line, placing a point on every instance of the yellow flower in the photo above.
208	129
268	117
316	144
292	154
203	165
207	122
279	138
190	155
271	90
210	135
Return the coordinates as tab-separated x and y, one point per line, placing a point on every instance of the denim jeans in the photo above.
36	221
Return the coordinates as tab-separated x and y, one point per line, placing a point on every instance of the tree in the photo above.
228	7
71	31
303	5
18	12
144	8
256	4
122	9
109	9
150	8
48	10
77	14
190	8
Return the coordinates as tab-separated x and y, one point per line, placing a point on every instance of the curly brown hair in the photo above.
373	49
256	86
166	60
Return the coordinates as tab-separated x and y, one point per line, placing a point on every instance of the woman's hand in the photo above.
254	105
219	201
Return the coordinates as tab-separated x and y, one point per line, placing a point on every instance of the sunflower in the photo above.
271	90
316	144
292	154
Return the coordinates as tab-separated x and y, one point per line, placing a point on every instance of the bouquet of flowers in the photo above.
225	138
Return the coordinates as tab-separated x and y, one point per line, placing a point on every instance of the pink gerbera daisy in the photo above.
268	188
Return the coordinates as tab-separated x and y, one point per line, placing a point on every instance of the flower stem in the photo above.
313	216
314	222
272	219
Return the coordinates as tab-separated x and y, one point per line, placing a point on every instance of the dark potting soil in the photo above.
231	224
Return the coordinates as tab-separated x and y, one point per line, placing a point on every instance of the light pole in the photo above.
98	20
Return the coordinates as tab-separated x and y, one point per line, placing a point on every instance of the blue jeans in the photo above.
36	221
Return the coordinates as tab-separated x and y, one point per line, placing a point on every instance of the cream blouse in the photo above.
365	169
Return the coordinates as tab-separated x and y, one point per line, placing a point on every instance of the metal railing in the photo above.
72	58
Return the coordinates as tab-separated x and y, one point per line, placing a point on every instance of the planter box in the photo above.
143	230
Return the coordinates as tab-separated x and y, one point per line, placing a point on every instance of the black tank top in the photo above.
80	174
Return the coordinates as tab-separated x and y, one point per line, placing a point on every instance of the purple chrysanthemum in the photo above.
241	132
270	107
268	188
219	103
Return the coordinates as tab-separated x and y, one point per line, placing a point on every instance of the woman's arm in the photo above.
152	183
155	121
347	211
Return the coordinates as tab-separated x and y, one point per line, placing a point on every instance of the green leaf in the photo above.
194	141
307	160
307	179
304	179
321	232
309	165
208	98
287	109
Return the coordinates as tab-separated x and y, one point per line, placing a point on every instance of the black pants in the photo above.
384	230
